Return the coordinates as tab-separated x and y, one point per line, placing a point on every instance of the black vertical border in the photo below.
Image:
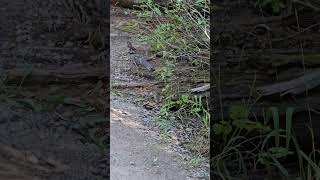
107	45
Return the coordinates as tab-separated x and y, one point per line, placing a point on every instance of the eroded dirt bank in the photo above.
52	84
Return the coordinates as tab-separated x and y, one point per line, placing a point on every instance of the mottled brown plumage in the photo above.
138	58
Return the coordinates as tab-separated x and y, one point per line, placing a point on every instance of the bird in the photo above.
138	58
132	50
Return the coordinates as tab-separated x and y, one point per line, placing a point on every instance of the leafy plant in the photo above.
312	167
235	138
197	160
164	119
166	71
181	29
223	128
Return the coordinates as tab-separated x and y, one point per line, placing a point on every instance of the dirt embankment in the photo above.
52	86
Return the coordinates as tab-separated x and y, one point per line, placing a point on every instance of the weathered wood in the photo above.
134	3
203	88
66	74
133	85
295	86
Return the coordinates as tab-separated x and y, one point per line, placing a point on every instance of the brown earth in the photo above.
51	86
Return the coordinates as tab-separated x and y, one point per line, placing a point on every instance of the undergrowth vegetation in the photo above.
179	35
248	145
242	146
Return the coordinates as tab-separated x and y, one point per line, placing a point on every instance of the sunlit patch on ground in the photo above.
124	118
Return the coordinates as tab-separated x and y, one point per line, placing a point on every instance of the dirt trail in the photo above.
136	152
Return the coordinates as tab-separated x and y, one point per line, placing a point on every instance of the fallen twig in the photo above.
203	88
153	83
133	85
295	86
307	4
296	34
69	73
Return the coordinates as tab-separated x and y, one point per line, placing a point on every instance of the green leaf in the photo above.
158	12
195	62
239	112
184	99
222	129
275	8
289	114
266	2
279	152
276	123
280	167
311	163
250	125
196	110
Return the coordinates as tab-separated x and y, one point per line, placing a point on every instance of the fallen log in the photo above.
133	85
134	3
153	83
203	88
73	73
295	86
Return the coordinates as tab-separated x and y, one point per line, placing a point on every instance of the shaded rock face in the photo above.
132	3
